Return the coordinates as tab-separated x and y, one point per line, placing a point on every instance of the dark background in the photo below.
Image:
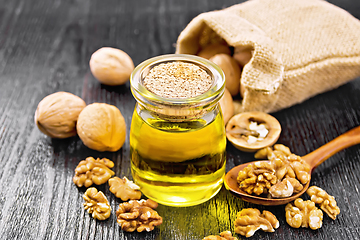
45	47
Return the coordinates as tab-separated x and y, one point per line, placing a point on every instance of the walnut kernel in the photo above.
257	178
327	202
282	189
249	220
226	235
96	204
91	171
291	170
138	215
303	214
124	188
300	167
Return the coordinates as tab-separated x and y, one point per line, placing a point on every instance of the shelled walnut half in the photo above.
249	220
138	215
226	235
327	202
257	178
96	204
91	171
124	188
304	214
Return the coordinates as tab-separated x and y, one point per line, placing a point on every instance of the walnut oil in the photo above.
177	135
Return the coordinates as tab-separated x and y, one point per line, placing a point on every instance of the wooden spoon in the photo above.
314	159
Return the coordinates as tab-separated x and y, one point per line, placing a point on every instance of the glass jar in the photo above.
177	145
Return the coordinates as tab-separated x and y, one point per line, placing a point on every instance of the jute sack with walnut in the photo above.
300	48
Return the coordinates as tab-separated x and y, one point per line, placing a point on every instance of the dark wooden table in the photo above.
45	47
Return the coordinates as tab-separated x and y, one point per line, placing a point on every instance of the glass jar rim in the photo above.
214	93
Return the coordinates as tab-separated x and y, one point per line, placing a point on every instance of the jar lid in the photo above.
177	107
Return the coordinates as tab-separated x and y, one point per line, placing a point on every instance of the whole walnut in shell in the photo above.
111	66
213	49
57	113
101	127
231	70
227	106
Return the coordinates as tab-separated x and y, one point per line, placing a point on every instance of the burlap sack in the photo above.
301	48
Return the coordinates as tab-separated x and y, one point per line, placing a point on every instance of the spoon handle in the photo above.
345	140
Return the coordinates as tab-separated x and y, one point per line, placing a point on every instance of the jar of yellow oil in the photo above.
177	135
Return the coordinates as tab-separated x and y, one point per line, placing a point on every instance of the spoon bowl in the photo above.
314	159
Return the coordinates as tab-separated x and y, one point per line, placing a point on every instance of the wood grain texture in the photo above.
45	47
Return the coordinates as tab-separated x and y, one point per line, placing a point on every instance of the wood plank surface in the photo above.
45	47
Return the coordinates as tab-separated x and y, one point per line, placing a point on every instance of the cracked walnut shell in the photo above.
56	114
249	220
304	214
91	171
101	127
251	131
327	202
124	188
96	204
138	215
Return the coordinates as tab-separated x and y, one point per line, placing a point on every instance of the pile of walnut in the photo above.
132	215
100	126
300	213
283	175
